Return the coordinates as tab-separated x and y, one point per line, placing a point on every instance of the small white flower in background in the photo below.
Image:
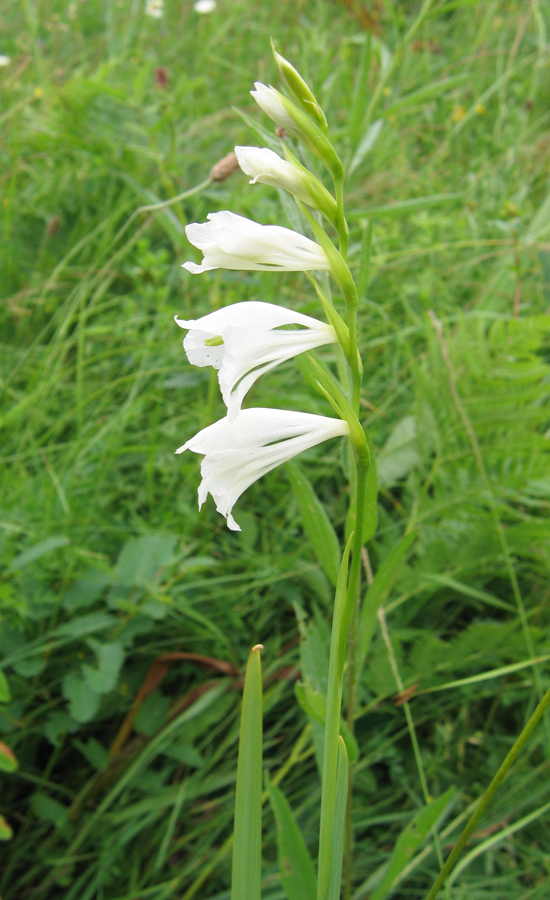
238	453
155	9
229	241
4	60
204	7
246	340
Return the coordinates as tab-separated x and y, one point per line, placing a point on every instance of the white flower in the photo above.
267	167
237	453
204	7
247	339
155	9
4	60
229	241
272	103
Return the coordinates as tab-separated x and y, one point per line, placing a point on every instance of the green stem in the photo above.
340	628
490	792
343	231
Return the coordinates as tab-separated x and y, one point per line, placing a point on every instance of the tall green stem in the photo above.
345	597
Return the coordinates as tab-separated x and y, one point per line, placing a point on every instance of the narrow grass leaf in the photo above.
366	144
295	865
374	598
410	839
247	844
41	549
317	524
337	842
315	705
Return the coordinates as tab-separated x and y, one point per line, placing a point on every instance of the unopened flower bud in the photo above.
289	116
300	90
224	168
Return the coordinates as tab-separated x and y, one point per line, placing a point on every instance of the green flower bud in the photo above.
300	90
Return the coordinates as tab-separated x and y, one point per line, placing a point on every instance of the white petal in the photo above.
236	454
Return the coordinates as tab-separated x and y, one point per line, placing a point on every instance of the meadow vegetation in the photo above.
127	617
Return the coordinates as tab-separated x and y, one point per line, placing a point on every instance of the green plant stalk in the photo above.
489	794
345	598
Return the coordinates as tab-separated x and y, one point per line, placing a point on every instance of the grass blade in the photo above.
247	846
295	865
337	843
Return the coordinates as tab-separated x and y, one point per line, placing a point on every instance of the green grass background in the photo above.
106	564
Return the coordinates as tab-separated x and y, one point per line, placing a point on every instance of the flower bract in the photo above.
245	340
229	241
237	453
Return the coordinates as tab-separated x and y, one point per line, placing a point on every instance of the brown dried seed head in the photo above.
224	168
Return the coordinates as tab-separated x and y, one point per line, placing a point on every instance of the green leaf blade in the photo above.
316	522
247	845
295	865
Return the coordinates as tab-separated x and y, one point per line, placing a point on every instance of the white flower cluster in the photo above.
247	339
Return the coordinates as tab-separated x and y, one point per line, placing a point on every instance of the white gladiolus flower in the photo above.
267	167
272	103
247	339
237	453
229	241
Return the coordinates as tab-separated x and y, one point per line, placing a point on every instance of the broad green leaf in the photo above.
142	558
85	591
374	598
8	761
338	828
399	454
36	552
409	840
50	810
317	524
5	695
295	865
83	700
109	661
247	843
6	832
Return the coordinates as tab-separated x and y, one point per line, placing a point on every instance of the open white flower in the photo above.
229	241
237	453
247	339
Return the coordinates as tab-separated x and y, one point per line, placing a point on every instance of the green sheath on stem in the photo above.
247	845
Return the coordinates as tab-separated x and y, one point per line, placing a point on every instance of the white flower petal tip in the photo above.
272	104
245	340
265	166
204	7
237	453
229	241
